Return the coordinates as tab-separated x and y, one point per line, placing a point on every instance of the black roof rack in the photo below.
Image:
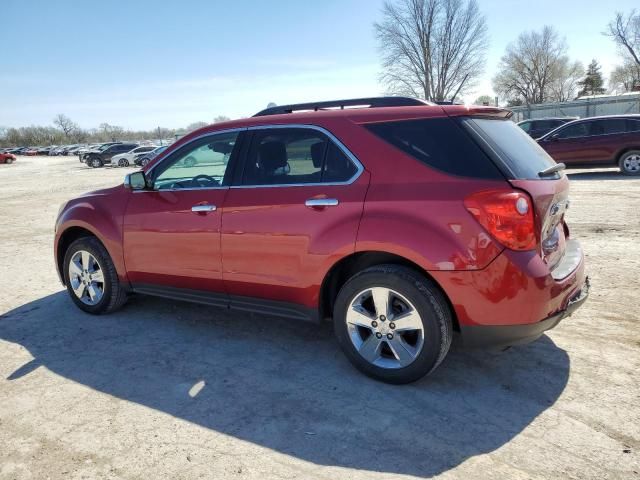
341	104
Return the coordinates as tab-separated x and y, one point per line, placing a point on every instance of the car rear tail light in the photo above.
507	215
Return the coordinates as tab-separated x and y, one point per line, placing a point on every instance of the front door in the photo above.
294	212
172	229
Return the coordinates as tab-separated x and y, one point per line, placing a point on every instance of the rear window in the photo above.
439	143
521	155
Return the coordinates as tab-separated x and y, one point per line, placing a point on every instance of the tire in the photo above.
95	162
144	162
406	288
629	163
189	162
113	294
123	162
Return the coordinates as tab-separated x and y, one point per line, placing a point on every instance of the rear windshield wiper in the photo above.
558	167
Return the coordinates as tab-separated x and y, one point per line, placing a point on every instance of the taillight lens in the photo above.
507	215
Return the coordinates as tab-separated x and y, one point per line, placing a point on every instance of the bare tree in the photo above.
625	78
221	118
483	100
536	69
195	126
565	80
625	31
65	124
431	49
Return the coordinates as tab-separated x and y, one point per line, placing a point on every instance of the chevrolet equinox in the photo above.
406	223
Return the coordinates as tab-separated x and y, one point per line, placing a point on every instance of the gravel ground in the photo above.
169	390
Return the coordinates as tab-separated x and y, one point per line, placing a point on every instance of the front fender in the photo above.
100	214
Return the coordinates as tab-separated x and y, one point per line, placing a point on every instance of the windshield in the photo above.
517	151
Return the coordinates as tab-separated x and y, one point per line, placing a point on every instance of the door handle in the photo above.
203	208
321	202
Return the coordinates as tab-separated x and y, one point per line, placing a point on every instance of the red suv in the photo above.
597	142
406	223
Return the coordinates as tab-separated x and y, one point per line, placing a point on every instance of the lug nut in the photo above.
378	335
389	336
383	318
374	324
392	325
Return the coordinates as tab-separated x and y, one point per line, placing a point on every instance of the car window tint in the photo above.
614	125
441	144
576	130
515	150
633	125
525	126
200	164
286	156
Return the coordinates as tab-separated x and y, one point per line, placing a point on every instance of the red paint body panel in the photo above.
515	289
274	247
101	213
167	244
264	242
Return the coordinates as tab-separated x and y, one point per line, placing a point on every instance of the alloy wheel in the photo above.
86	277
385	328
631	163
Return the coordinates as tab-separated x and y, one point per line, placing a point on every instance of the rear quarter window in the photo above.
440	143
513	149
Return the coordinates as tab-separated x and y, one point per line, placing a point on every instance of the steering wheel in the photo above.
203	180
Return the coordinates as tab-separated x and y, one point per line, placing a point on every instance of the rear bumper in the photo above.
474	336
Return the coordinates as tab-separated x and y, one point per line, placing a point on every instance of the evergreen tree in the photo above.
593	84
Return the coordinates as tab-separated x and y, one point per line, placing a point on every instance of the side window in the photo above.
441	144
633	125
576	130
526	126
289	156
200	164
614	125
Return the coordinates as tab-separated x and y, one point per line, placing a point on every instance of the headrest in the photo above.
317	153
273	155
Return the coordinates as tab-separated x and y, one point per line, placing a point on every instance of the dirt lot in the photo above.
169	390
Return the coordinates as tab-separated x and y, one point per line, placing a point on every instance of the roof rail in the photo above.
341	104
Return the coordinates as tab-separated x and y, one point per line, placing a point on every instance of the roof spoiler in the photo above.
341	104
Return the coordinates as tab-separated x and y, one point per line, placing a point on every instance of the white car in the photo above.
126	159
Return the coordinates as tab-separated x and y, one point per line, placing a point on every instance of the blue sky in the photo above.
141	64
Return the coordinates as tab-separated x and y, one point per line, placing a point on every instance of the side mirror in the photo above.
135	181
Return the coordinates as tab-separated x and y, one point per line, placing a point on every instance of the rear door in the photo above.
292	213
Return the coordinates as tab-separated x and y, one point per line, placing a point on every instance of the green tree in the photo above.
592	84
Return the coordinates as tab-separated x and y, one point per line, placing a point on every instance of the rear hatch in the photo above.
529	168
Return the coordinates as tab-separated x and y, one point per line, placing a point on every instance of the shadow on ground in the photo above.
286	386
598	175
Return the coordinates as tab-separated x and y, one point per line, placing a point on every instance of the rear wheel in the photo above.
91	277
123	162
392	323
630	162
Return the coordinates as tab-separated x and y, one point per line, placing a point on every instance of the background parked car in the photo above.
95	147
6	157
538	127
597	142
126	159
31	151
97	158
142	160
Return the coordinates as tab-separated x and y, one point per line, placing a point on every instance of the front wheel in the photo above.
91	278
630	162
123	162
95	162
393	323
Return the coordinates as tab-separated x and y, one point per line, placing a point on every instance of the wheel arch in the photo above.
348	266
67	237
